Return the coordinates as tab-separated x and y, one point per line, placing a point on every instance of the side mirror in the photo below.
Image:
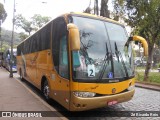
143	41
74	37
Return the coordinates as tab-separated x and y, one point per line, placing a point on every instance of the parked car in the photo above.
138	61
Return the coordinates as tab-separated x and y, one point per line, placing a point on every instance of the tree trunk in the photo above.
149	62
104	9
88	10
1	45
96	10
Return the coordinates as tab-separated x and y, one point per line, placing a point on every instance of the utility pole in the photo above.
11	56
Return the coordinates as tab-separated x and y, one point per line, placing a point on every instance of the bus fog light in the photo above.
131	87
84	94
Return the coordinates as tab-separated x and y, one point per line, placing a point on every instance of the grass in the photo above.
143	68
140	68
154	77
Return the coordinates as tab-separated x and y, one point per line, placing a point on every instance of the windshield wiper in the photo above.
119	55
105	62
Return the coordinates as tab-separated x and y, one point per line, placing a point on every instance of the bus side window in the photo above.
63	58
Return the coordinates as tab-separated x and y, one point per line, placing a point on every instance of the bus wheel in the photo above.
46	91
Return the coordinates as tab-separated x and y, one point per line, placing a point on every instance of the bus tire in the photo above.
46	91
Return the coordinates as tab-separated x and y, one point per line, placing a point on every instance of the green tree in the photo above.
144	17
6	39
38	21
21	22
3	16
3	13
22	36
119	9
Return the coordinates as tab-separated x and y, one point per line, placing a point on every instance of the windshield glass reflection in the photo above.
97	57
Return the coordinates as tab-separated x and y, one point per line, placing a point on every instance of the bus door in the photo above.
61	62
62	82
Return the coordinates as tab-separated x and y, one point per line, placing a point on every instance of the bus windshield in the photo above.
103	54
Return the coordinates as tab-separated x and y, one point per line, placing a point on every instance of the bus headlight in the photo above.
84	94
131	87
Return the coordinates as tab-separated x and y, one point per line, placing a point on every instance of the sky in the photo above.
51	8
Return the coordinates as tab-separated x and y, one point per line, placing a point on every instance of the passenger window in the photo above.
63	58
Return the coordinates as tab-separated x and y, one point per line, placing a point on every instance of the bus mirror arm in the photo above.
143	41
74	37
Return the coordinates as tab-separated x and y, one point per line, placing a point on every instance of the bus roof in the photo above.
96	17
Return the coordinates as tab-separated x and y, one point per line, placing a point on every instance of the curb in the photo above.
148	86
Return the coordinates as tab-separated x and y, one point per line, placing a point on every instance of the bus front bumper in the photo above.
81	104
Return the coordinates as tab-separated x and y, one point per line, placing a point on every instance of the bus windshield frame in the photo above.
103	56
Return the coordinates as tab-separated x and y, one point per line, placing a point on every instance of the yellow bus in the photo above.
82	61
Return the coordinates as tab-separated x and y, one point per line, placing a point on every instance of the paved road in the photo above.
143	100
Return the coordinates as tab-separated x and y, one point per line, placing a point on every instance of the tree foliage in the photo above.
22	36
36	22
23	23
144	17
3	16
6	39
3	13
